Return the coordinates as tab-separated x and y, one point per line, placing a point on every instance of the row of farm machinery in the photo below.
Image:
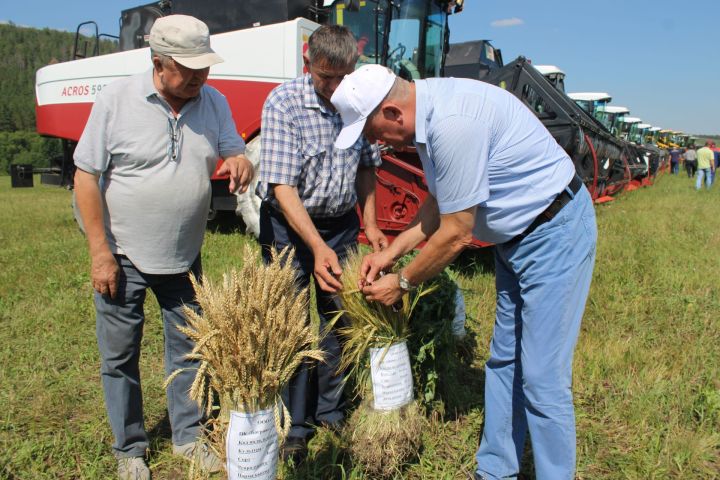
262	43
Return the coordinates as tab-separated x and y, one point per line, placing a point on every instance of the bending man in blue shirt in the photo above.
494	172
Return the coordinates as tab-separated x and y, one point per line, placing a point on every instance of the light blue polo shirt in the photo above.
155	169
480	145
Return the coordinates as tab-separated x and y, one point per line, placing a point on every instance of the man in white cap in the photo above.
493	172
142	186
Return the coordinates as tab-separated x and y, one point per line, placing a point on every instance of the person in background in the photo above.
494	172
706	166
142	185
690	157
675	154
309	190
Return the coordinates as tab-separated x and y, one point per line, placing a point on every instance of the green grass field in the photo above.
647	365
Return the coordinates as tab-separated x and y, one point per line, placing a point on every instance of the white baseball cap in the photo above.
185	39
357	96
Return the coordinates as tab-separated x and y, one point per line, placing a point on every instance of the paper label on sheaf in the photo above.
391	377
251	446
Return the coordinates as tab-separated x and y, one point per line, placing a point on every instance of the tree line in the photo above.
22	52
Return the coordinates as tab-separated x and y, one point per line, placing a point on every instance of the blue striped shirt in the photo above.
296	148
481	146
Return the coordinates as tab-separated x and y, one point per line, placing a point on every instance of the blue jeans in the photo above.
119	327
542	284
703	172
315	392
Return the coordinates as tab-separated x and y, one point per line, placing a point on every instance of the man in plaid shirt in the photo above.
309	190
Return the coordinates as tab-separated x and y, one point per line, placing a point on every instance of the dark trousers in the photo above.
119	328
315	394
691	168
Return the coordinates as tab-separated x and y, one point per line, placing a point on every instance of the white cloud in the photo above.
507	22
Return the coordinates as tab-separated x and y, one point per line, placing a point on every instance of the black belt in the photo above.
553	209
319	222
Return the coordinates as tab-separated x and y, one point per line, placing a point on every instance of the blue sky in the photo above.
659	58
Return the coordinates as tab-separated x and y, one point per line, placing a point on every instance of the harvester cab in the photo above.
644	139
611	116
590	101
682	139
653	135
554	75
409	36
665	140
641	133
629	127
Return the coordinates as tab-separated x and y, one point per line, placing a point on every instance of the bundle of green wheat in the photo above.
249	339
380	441
370	324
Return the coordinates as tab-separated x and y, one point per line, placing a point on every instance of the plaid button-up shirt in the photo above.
296	148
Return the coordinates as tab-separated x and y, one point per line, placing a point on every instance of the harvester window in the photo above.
435	34
536	102
402	54
489	53
363	22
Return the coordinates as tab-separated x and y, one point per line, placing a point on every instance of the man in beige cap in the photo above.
142	185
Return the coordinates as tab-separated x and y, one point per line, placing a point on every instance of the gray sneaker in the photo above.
133	468
200	453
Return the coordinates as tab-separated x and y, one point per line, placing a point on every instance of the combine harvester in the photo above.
638	157
652	135
665	140
655	155
409	36
629	127
583	124
595	152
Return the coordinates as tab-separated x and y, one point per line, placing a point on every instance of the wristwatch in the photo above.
405	284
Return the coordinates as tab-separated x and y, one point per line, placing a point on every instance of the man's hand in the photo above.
376	237
240	170
385	290
371	266
327	269
104	274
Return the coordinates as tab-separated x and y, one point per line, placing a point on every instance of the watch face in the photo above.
405	285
